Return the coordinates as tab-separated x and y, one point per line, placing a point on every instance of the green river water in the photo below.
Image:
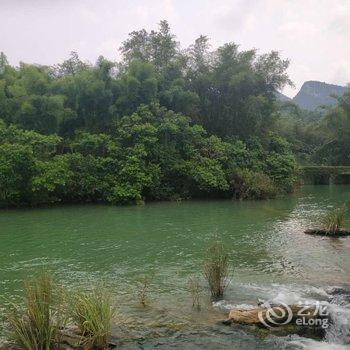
272	259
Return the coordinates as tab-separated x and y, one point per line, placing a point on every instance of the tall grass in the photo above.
195	290
216	268
92	313
35	325
334	219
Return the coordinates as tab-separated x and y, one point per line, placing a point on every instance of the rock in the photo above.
71	338
281	315
339	295
322	232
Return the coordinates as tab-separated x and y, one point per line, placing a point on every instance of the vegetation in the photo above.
36	326
163	123
195	290
143	289
93	312
318	137
248	184
334	219
217	268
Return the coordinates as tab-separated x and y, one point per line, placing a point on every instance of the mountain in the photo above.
315	93
281	97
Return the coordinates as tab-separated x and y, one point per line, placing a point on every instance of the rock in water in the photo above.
279	316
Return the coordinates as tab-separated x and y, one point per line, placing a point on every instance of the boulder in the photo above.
276	316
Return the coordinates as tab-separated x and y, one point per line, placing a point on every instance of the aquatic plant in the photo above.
92	313
334	219
143	288
35	325
195	290
216	268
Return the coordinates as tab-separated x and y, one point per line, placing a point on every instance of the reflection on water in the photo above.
271	258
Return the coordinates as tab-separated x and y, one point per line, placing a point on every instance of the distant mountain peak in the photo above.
316	93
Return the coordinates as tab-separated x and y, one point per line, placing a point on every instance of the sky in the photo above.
313	34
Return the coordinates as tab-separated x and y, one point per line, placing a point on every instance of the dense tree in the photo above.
163	123
336	127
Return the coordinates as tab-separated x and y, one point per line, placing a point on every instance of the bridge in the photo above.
325	175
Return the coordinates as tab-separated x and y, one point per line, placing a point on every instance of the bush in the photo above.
16	170
247	184
36	326
216	268
92	313
334	219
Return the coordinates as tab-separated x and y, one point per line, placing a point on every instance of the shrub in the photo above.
216	268
252	185
36	326
334	219
92	313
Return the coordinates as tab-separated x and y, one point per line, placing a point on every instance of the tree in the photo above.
336	125
3	62
16	170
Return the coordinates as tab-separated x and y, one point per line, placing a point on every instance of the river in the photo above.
272	259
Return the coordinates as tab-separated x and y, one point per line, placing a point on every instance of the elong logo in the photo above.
300	314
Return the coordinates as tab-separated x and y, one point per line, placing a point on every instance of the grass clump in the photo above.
35	325
334	219
195	290
216	268
92	313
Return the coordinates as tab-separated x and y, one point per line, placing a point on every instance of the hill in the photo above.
315	93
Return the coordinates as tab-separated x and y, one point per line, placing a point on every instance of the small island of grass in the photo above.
332	223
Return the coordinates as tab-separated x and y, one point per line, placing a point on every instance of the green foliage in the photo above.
163	123
93	312
36	326
252	185
280	164
16	171
318	137
333	220
336	126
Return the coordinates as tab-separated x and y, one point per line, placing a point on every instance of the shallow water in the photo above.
272	259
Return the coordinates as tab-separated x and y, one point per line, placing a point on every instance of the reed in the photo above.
216	268
143	288
195	290
36	325
92	312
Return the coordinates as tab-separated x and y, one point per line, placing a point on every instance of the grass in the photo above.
195	290
143	288
92	313
334	219
35	326
216	268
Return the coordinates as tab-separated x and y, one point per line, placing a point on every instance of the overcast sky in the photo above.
313	34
